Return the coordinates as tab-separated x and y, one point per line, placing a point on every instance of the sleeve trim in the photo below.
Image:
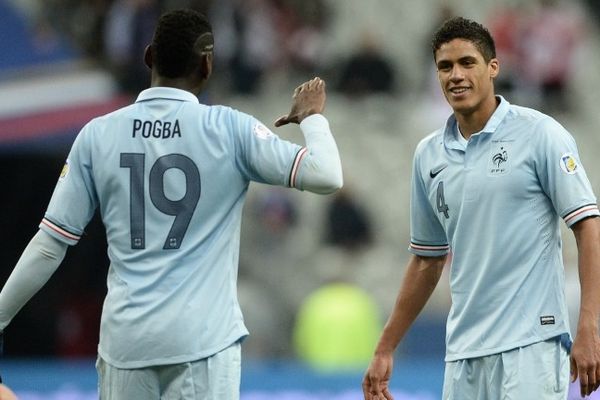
61	231
423	247
591	209
295	166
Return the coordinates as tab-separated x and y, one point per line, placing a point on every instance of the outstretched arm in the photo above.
421	278
319	168
39	260
585	354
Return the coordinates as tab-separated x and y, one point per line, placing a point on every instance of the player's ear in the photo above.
148	57
206	62
494	66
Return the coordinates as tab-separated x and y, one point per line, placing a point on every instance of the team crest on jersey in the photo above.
499	158
65	171
261	131
568	163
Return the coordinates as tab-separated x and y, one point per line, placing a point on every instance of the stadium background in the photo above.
66	61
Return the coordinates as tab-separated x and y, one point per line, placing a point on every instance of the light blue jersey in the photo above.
496	205
169	176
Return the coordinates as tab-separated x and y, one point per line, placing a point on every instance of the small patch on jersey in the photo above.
568	164
261	131
65	171
499	159
547	320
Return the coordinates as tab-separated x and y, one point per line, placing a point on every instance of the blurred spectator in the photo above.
246	40
549	41
87	26
301	25
594	6
129	27
435	107
367	71
348	224
504	25
276	214
78	323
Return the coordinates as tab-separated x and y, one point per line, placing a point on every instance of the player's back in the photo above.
171	196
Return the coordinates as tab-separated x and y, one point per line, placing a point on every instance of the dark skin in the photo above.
308	98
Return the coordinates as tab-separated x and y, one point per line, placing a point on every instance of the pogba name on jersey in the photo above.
155	129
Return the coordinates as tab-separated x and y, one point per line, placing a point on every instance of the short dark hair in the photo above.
462	28
180	38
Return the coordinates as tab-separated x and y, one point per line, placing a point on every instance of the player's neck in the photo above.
191	85
474	121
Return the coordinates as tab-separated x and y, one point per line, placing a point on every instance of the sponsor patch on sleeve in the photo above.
568	164
65	171
261	131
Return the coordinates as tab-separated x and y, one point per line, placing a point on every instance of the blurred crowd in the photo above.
253	38
538	43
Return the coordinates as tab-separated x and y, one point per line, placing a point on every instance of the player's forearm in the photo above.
321	169
587	234
41	258
421	278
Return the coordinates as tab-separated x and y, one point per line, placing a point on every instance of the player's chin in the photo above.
461	106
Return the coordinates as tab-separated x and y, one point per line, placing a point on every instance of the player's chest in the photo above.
494	172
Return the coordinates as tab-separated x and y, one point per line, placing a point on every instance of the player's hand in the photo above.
377	378
309	98
6	393
1	352
585	361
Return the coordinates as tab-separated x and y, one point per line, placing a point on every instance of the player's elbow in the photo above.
327	184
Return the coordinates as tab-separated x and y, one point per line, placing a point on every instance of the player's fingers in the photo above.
283	120
314	83
319	83
592	381
366	387
597	384
574	371
583	384
387	394
297	91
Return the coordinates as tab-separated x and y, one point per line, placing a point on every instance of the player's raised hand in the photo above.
377	378
308	99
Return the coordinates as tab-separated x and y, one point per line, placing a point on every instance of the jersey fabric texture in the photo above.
496	205
169	176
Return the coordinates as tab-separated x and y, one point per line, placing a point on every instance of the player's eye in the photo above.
444	67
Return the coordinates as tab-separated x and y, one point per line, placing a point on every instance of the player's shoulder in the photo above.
535	123
528	117
433	141
226	111
105	119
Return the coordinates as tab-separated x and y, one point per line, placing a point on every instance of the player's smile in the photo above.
459	91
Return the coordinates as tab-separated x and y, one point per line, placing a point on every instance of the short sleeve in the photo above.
561	173
262	156
427	235
74	199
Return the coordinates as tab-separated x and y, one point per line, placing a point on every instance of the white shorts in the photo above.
539	371
213	378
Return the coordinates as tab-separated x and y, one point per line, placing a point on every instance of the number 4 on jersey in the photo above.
181	209
441	202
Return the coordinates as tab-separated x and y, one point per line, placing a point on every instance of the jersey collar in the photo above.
450	139
166	93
